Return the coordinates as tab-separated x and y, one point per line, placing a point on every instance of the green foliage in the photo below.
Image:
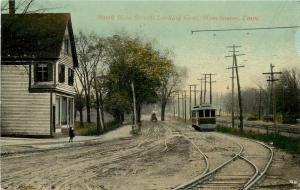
89	129
132	60
288	95
252	118
268	118
290	144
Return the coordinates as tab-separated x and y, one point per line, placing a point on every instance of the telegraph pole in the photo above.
178	108
195	95
184	105
272	79
174	102
190	101
182	102
204	93
208	75
201	90
210	88
195	101
236	66
259	108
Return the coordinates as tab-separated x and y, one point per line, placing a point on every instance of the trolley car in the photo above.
204	117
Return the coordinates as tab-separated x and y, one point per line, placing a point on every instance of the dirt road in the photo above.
164	156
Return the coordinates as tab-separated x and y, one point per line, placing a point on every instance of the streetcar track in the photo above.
196	182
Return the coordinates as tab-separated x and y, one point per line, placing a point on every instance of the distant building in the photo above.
38	59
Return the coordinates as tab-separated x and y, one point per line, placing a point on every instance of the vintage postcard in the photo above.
144	95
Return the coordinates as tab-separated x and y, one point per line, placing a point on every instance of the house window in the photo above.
57	111
71	104
43	72
64	109
61	73
66	44
70	77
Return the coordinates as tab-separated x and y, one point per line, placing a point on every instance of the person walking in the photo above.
71	134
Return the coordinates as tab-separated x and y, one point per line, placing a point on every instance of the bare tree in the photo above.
79	102
89	55
170	83
22	7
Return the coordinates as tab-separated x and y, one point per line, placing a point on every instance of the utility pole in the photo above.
204	93
178	106
184	105
235	66
195	95
201	90
272	79
182	102
195	101
174	102
232	94
208	75
210	91
259	106
210	87
190	101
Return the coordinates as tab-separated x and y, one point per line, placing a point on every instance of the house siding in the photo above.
67	60
22	112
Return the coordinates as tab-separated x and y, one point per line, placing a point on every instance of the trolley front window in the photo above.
207	113
201	114
213	113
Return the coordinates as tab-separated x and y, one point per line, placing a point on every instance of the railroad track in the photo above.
222	177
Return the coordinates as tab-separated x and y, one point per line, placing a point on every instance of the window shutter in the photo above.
72	71
63	73
35	73
70	77
50	72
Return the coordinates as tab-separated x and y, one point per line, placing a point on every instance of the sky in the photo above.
168	25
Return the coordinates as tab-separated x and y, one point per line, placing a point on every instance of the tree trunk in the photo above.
139	116
98	126
139	113
88	108
162	112
81	117
101	109
123	117
134	105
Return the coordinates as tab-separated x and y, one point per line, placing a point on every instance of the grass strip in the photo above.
290	144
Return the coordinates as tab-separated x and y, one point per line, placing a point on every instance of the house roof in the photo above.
35	36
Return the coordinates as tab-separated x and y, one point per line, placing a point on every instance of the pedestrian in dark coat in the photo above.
71	134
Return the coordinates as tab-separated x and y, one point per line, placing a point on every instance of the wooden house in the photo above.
38	59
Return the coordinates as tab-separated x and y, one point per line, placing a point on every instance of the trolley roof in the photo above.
203	107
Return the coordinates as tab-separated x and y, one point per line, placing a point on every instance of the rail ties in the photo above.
196	182
220	178
267	166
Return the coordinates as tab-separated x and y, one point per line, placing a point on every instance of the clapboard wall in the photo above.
22	113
